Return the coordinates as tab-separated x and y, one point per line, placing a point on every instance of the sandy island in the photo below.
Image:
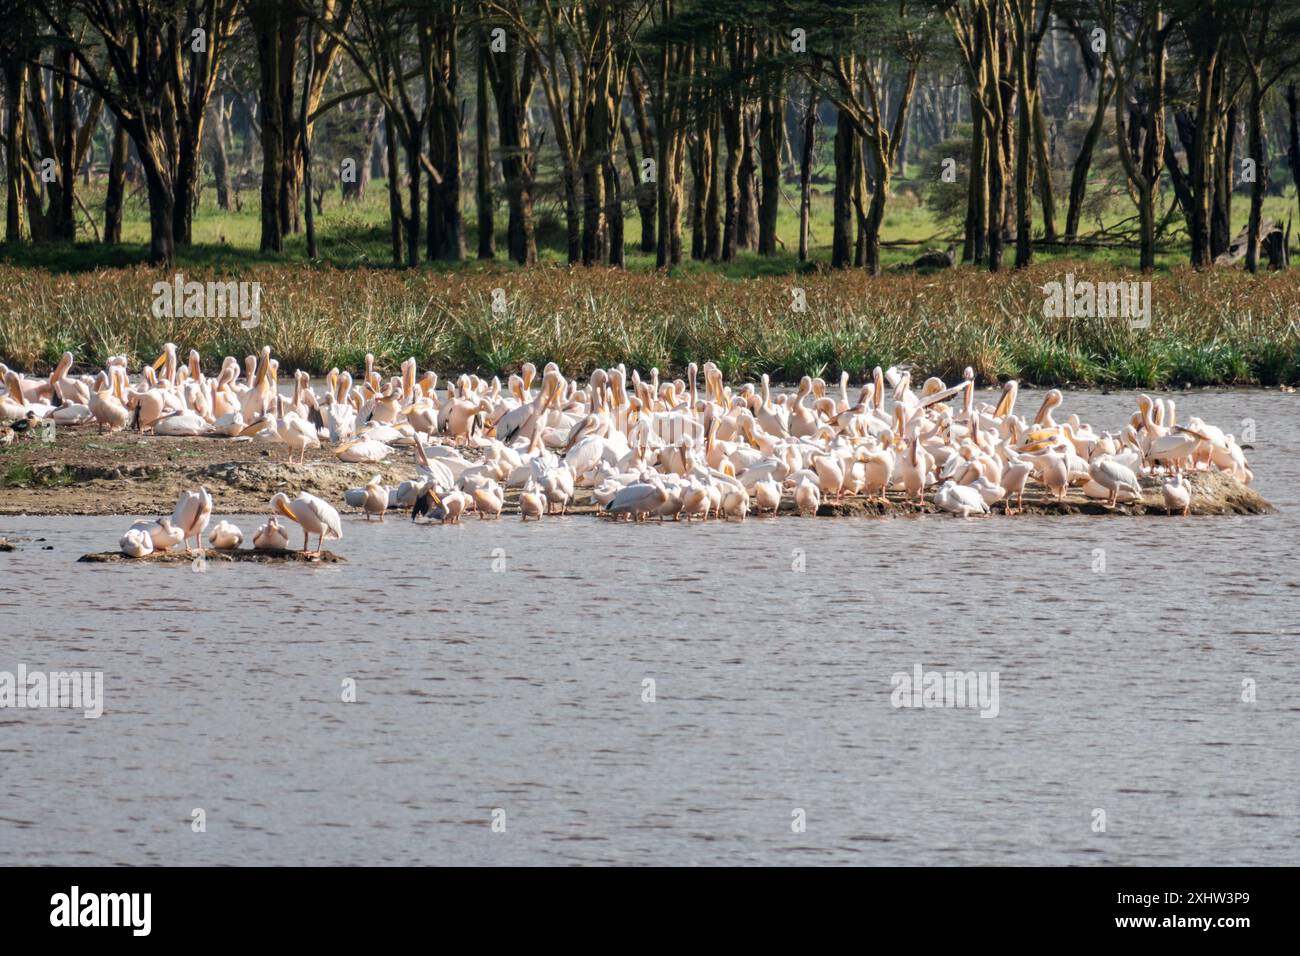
85	473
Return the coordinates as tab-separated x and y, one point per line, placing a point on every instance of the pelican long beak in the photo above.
1007	401
282	509
160	362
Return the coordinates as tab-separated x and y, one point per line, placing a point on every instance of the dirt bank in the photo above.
84	473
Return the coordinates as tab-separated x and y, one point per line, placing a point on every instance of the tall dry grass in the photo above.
1207	328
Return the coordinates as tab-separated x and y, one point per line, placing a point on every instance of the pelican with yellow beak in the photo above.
310	513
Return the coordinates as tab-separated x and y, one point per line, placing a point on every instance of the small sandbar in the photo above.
216	554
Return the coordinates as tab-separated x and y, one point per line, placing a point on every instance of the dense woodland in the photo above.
679	127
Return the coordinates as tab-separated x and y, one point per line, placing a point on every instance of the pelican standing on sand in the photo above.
311	514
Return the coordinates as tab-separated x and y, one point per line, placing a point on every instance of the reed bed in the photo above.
1207	328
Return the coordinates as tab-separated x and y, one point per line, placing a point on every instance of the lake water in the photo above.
520	695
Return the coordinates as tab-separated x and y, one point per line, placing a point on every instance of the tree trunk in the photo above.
614	215
1046	191
162	248
484	199
15	135
595	238
876	213
512	96
220	163
396	219
976	230
116	193
846	170
63	193
747	220
572	214
996	204
446	226
731	123
1083	162
647	193
771	125
265	19
1255	121
805	174
713	196
414	172
304	138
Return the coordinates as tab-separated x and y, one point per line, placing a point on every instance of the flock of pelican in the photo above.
641	447
193	512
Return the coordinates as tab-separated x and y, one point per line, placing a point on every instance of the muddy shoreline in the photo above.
84	473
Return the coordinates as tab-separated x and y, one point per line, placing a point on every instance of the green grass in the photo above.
21	474
352	235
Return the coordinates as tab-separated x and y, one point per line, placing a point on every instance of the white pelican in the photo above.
454	504
1013	481
225	535
181	424
162	533
735	503
376	500
638	499
960	499
488	498
298	433
108	404
311	514
807	496
193	509
767	496
271	536
363	449
136	543
532	503
1115	478
1177	495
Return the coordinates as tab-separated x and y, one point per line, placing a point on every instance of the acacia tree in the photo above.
512	72
1266	35
1137	39
387	34
157	81
979	28
855	69
51	119
277	28
1029	21
671	98
581	50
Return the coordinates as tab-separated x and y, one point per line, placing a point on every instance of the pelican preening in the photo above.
640	446
310	513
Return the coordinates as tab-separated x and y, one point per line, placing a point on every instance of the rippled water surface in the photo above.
523	690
